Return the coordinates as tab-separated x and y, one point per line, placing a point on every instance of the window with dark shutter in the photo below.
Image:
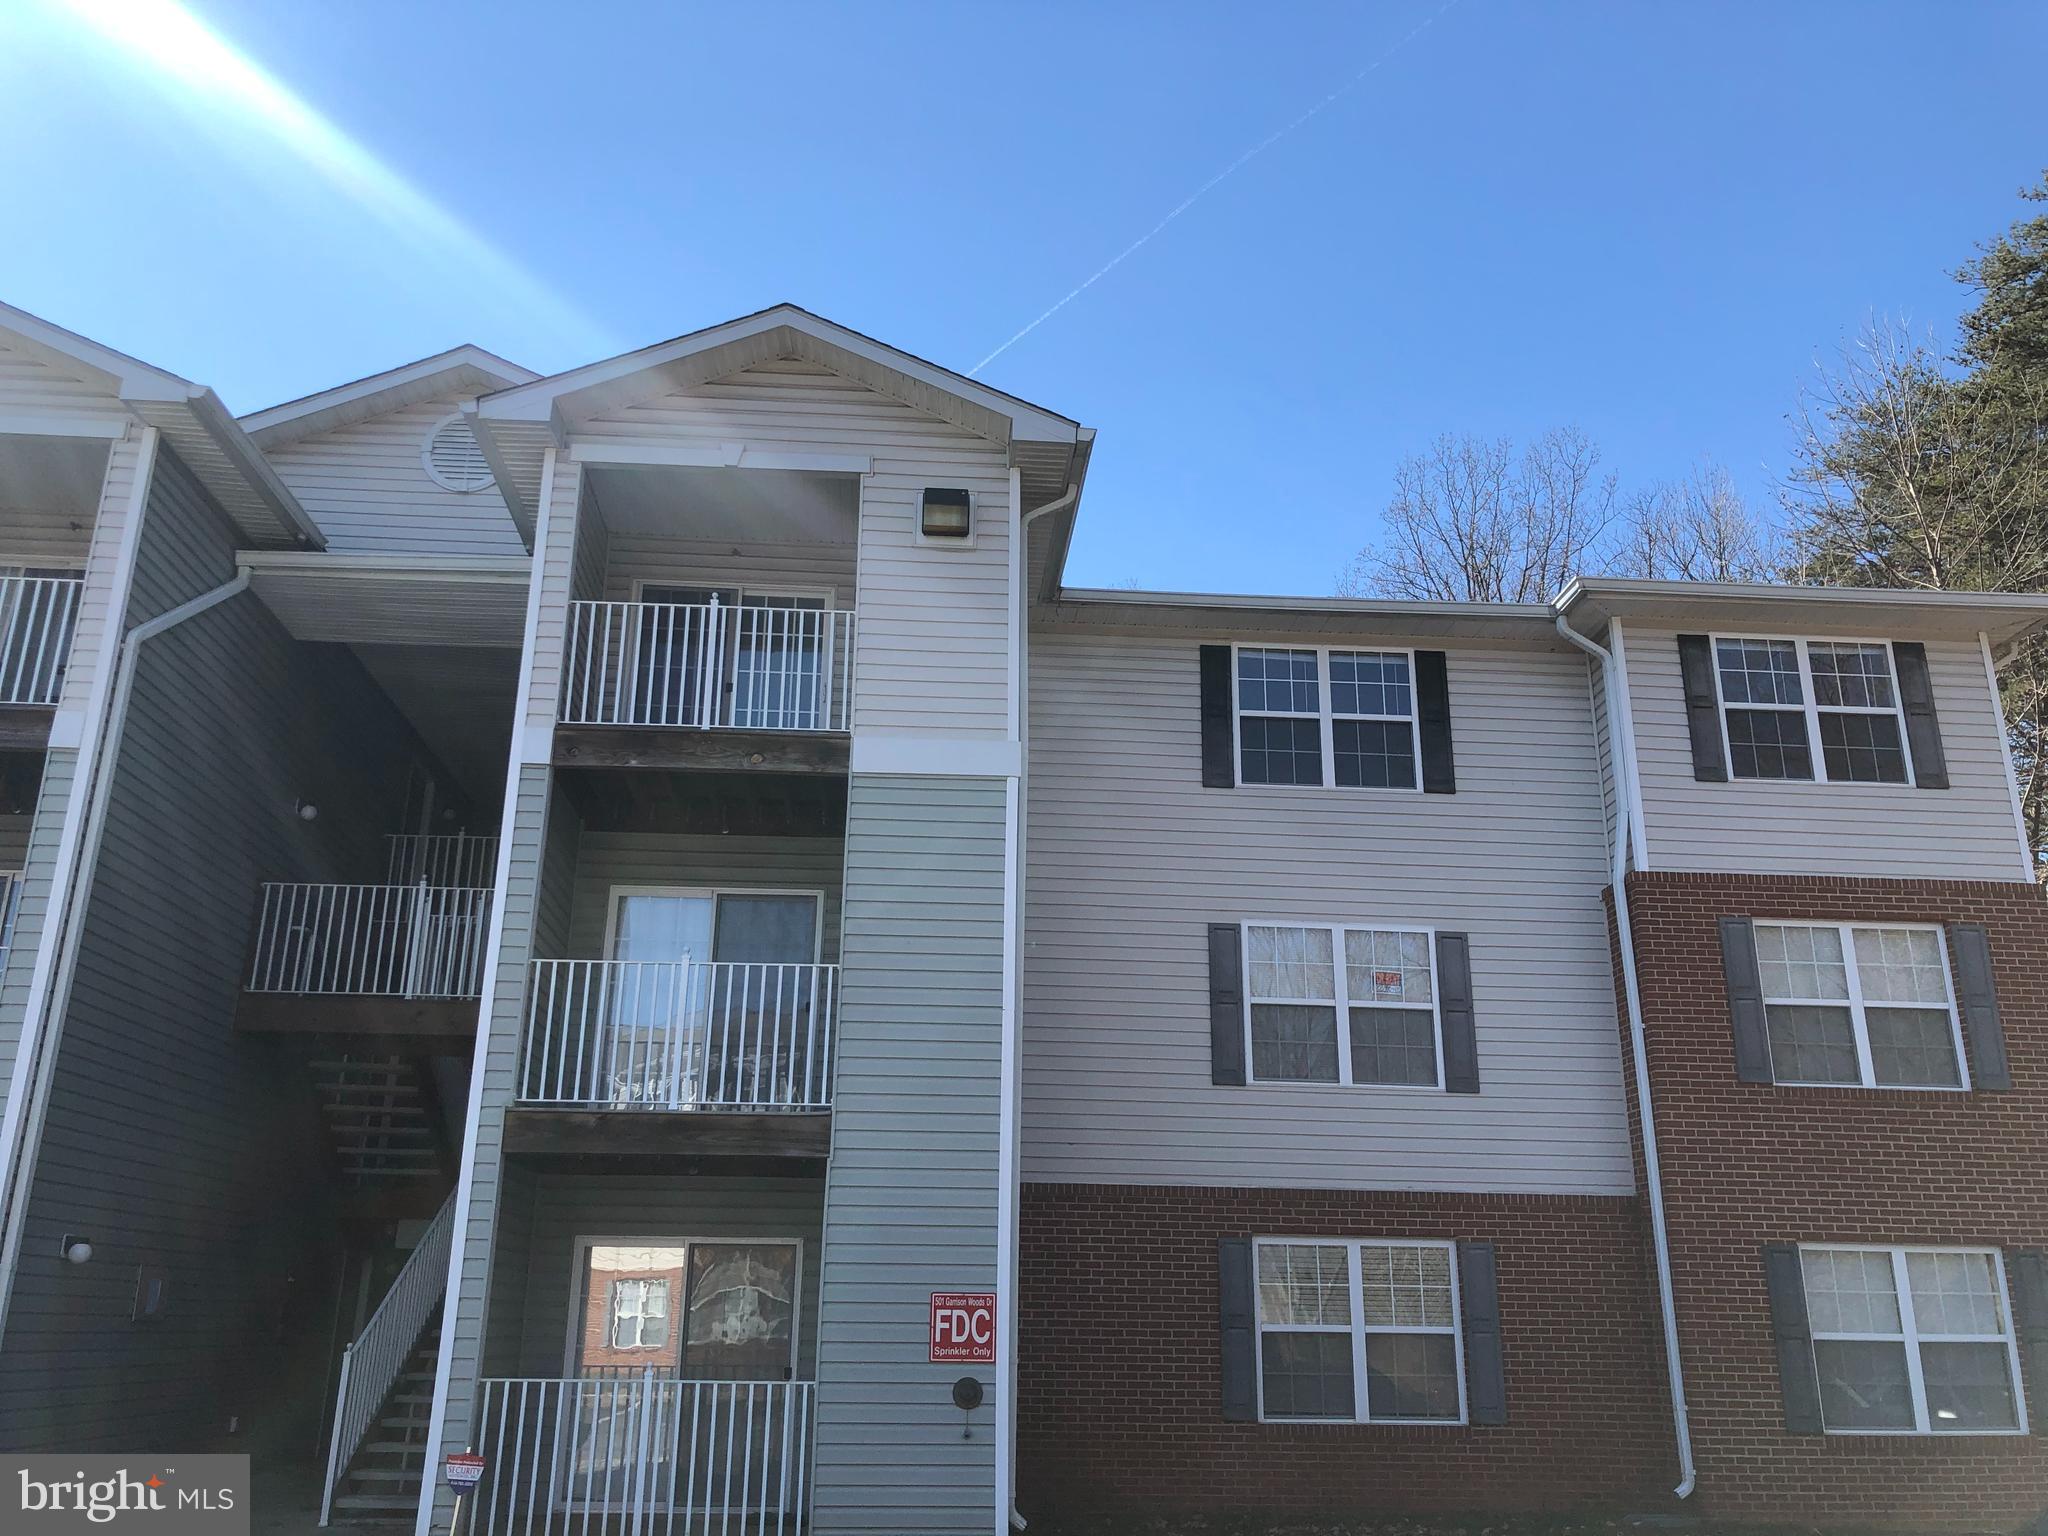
1238	1324
1460	1024
1486	1397
1746	1016
1218	769
1798	1381
1433	716
1702	708
1923	729
1226	1005
1969	946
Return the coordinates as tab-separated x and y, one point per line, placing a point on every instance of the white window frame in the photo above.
1327	718
639	1318
1341	1001
1358	1328
616	894
743	590
1812	710
1912	1338
1859	1022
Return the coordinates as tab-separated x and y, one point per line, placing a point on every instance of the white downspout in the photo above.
1639	1049
99	793
1013	1022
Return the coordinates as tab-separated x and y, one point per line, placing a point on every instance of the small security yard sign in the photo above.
963	1327
463	1471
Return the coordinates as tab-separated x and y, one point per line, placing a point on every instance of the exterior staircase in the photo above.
379	1119
381	1483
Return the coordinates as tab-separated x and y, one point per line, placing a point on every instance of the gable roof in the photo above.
464	370
518	423
191	419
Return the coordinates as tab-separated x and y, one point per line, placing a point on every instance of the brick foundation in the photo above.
1746	1164
1121	1379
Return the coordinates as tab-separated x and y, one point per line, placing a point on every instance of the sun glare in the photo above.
168	42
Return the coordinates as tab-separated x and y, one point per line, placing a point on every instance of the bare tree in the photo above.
1694	529
1473	522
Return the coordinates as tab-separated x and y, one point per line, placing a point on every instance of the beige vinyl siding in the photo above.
367	486
1964	832
1130	859
611	859
932	646
29	383
911	1194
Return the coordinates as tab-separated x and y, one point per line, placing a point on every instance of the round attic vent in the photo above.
453	458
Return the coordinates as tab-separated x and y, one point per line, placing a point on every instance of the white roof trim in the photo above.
487	569
542	400
465	369
117	373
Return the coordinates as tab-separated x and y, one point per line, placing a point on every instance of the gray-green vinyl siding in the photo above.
170	1141
1130	859
1884	831
911	1193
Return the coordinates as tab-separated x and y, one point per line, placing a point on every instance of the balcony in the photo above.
37	617
641	1452
741	1051
404	960
776	678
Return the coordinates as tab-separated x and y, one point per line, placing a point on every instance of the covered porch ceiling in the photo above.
728	506
441	636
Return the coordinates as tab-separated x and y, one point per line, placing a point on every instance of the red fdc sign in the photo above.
964	1327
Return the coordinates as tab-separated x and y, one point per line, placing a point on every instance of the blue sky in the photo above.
1644	220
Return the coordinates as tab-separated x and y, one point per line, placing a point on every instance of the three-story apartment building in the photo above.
631	924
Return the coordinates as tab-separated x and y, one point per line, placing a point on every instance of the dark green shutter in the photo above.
1745	1001
1239	1325
1923	729
1219	770
1486	1393
1702	708
2026	1278
1969	947
1226	1005
1433	721
1798	1380
1454	1008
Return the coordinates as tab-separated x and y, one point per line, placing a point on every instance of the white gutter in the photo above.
97	794
1625	790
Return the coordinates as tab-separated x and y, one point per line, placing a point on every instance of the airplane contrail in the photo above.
1195	196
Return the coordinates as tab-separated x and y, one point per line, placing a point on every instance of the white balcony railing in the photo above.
371	1364
440	858
641	1454
37	615
679	1034
416	941
708	666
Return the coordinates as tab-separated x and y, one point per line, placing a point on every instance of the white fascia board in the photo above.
600	450
249	462
362	398
487	569
117	373
37	423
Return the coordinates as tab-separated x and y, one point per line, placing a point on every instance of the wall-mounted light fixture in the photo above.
947	515
76	1250
305	810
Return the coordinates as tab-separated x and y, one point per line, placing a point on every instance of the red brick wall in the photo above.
1747	1163
1120	1374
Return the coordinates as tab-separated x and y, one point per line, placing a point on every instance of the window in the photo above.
1372	1019
1868	1007
639	1314
1365	1331
1912	1341
1358	733
1780	697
